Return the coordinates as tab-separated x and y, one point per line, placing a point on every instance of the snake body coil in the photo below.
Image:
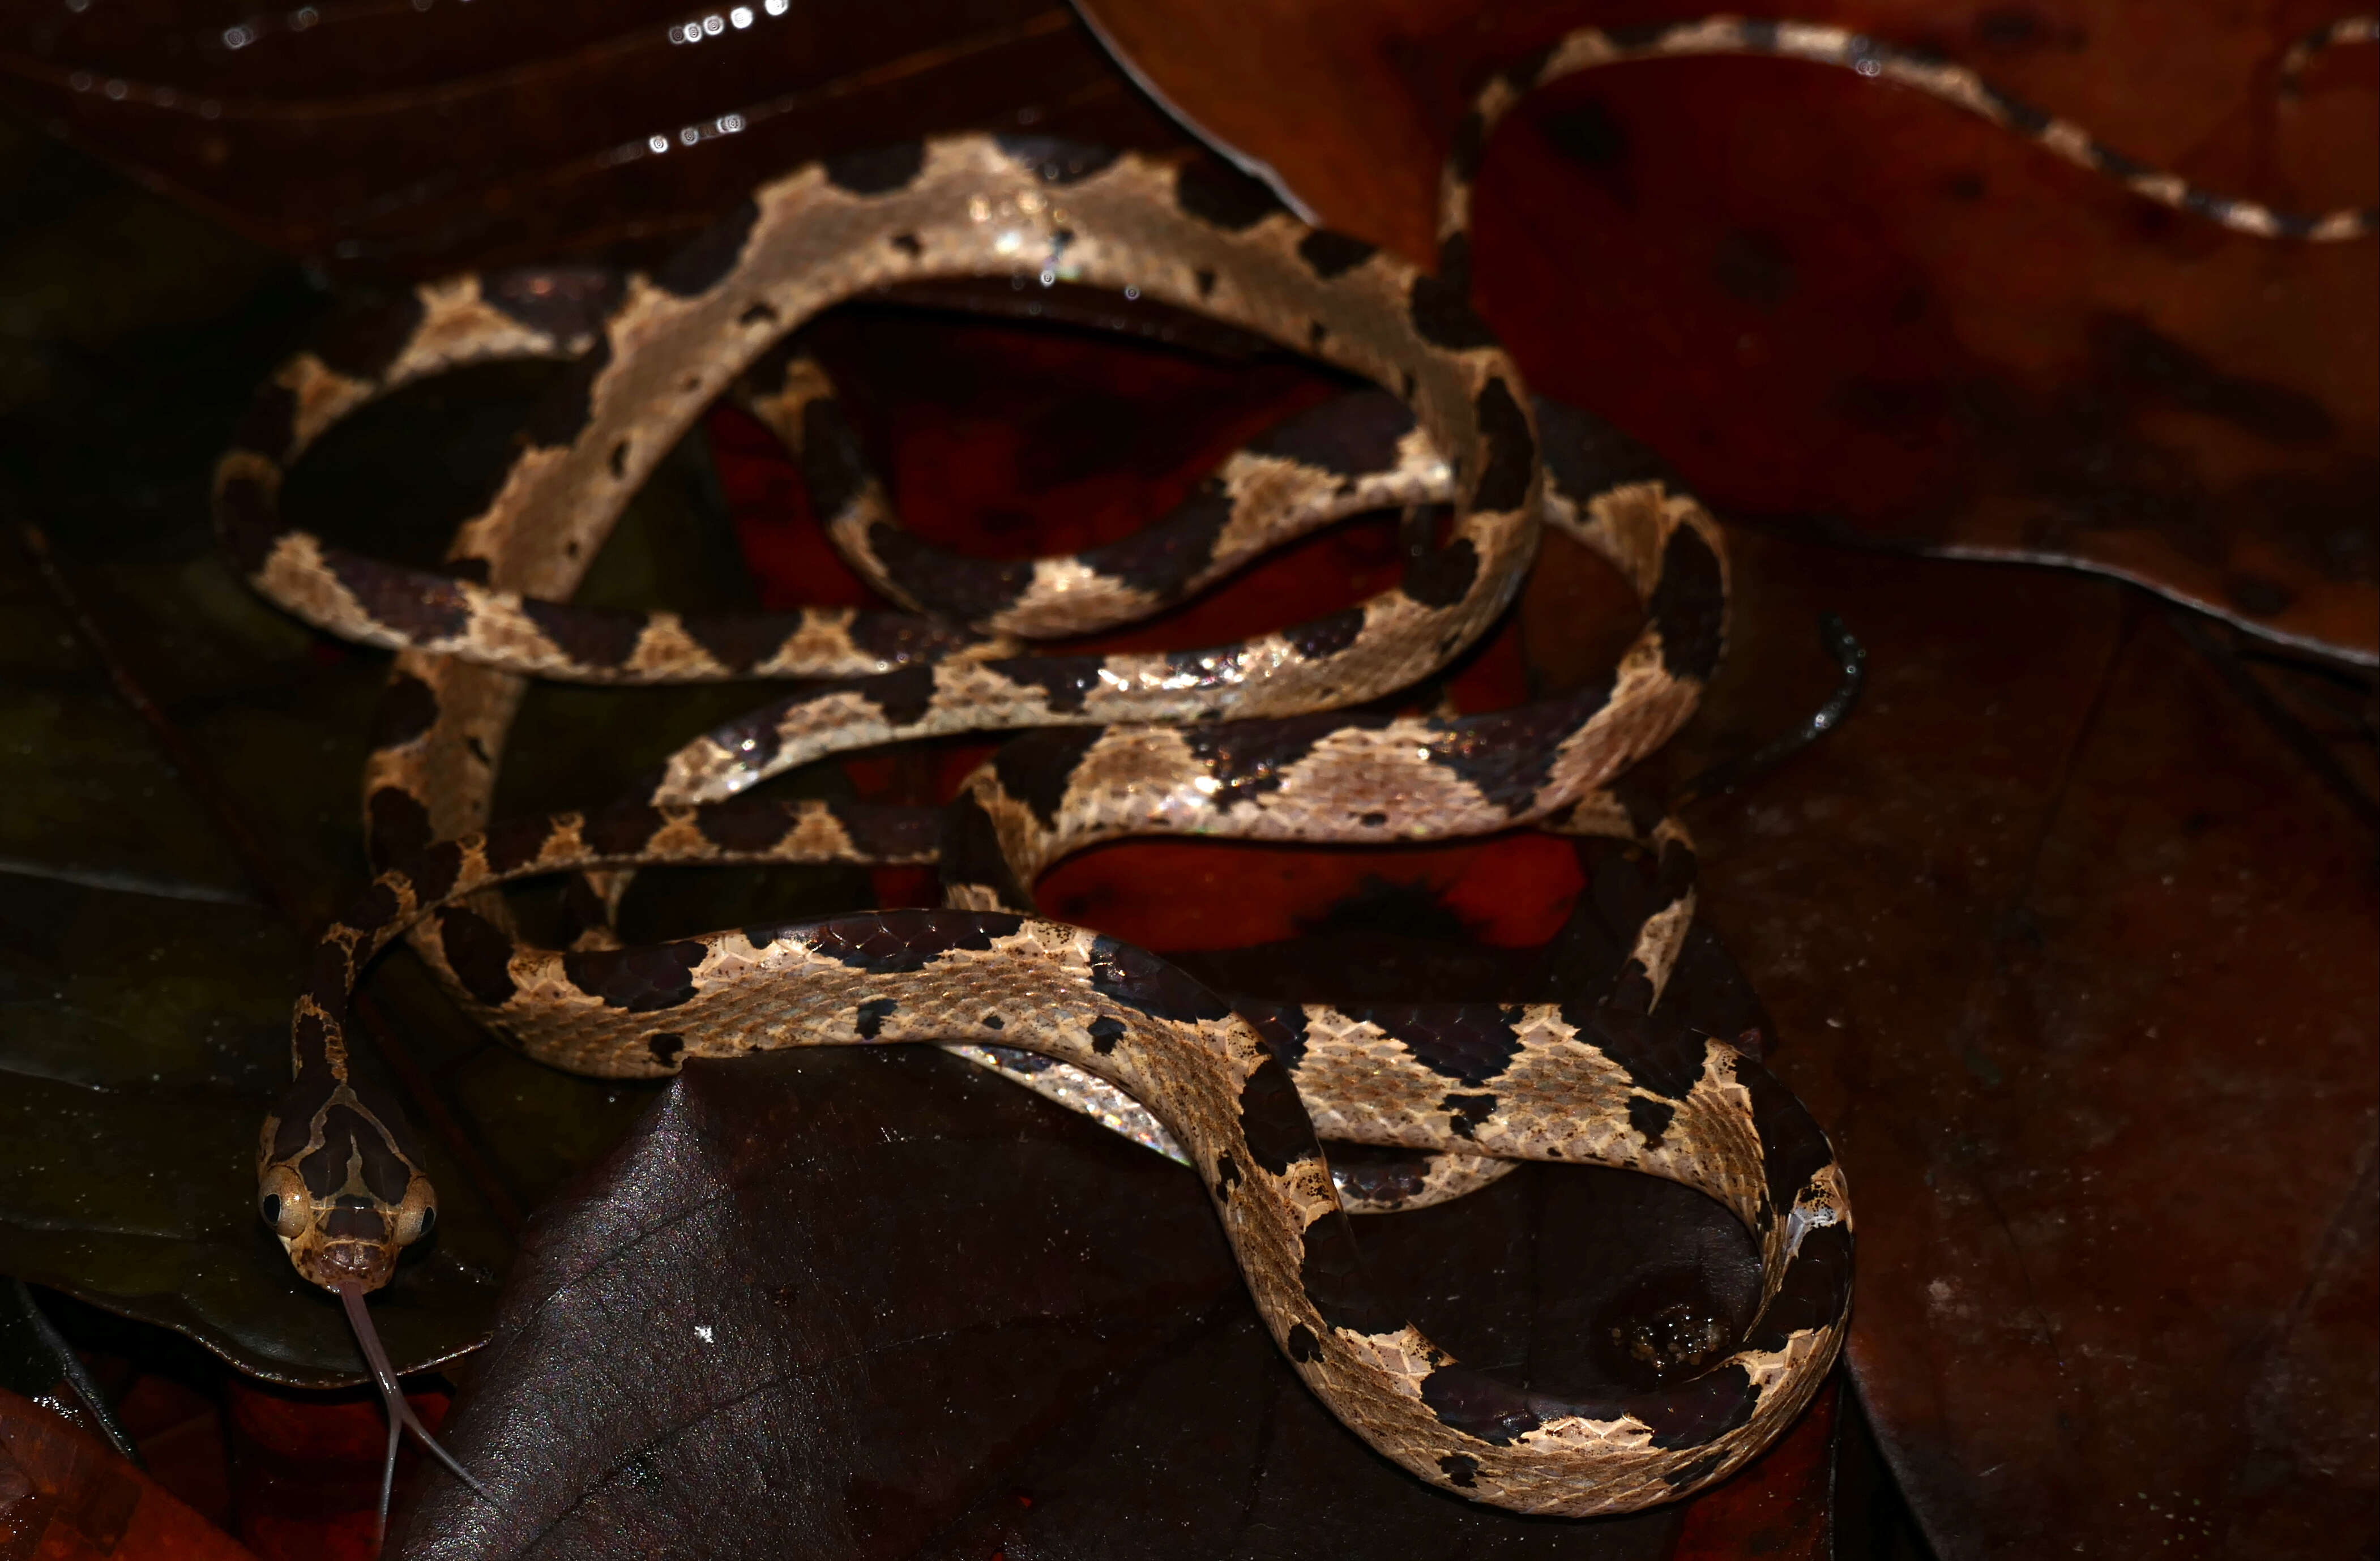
1253	740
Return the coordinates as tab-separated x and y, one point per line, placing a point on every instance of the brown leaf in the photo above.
65	1492
1844	306
876	1303
2073	958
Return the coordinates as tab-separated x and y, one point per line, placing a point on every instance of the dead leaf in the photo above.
1846	310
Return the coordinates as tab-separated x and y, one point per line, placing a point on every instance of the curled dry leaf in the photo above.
1844	308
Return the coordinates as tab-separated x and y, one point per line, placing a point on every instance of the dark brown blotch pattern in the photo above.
705	262
1510	463
1650	1117
1356	436
1468	1042
888	831
1661	1055
1281	1027
1814	1293
621	830
1273	1120
1223	197
1165	558
1249	759
970	855
1066	682
1792	1148
1584	455
363	340
1466	1113
433	872
1329	255
1331	1271
903	942
348	1135
1138	979
897	638
1440	311
951	585
420	605
1442	577
1036	769
591	636
479	954
1509	754
564	411
1689	606
740	641
1322	637
644	980
1478	1406
408	710
745	824
878	171
904	695
312	1089
396	824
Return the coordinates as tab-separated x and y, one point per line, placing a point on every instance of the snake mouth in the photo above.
335	1264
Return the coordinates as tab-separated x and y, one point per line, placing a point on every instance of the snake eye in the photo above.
281	1200
418	1216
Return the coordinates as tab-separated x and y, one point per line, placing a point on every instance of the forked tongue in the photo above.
401	1417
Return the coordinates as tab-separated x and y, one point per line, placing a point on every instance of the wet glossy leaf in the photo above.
878	1303
2072	954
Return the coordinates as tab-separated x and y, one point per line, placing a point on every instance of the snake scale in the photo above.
1257	739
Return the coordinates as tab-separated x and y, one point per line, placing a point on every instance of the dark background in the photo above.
2067	937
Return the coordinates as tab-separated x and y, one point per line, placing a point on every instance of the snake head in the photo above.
336	1185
